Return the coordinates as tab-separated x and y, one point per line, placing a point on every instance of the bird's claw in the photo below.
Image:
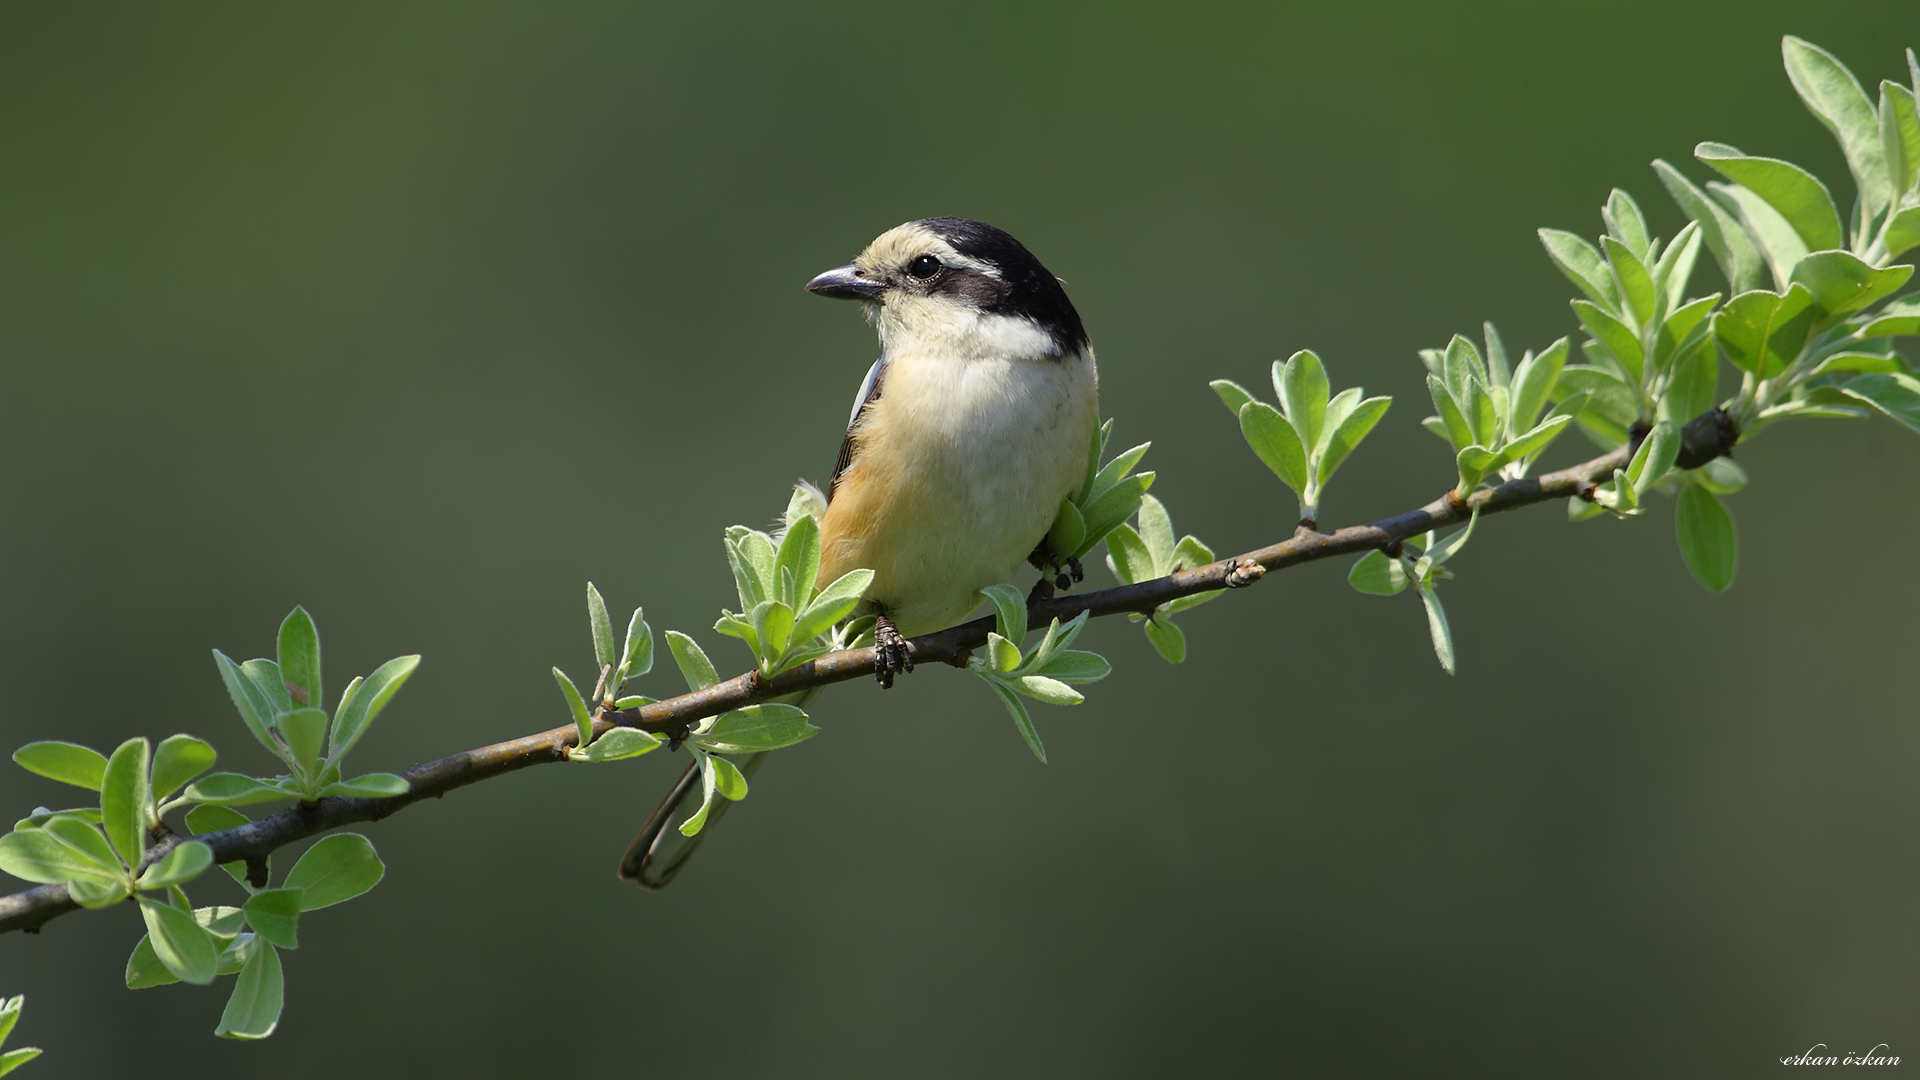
891	653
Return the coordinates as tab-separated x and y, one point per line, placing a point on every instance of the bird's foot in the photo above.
891	653
1056	573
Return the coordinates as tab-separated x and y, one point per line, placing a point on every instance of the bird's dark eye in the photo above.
923	267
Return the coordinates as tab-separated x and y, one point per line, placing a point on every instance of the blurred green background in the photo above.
424	315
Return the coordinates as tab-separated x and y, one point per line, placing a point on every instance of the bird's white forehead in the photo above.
893	249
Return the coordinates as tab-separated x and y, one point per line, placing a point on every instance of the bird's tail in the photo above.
657	854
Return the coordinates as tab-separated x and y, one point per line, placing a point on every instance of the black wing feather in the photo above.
845	459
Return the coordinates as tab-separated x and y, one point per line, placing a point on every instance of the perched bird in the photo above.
968	432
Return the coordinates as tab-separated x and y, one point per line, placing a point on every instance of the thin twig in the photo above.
1708	435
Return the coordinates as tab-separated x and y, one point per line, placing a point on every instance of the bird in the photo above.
966	435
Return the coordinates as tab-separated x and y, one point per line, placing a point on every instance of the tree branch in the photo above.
1709	436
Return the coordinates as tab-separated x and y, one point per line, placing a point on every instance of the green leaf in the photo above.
178	759
1156	532
1583	266
96	893
378	785
1111	475
1762	332
582	720
355	716
1128	555
1693	387
271	684
600	626
619	744
1675	268
335	870
1009	611
1903	231
1739	260
1678	326
1021	720
1655	457
835	602
727	781
1437	627
636	654
233	789
182	864
1795	193
300	657
124	800
1831	94
1772	233
1075	666
1002	655
179	942
69	763
1842	283
1707	540
1275	443
1893	393
38	856
1475	463
1625	223
274	914
1338	410
13	1059
773	625
1051	691
1231	394
258	996
1460	365
1721	476
1459	432
1901	317
762	561
1533	384
85	839
1634	280
1377	575
1536	440
1348	433
799	556
10	1014
1620	340
1112	507
1498	369
755	728
1069	528
144	968
305	731
223	924
708	784
1095	448
1900	136
1303	390
693	663
1166	639
746	581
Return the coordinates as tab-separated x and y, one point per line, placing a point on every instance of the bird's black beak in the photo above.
846	283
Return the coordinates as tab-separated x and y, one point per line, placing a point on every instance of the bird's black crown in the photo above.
1024	287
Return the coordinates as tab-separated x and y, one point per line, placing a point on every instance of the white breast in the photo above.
961	465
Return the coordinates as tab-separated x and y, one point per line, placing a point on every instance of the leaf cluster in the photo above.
1108	495
1306	439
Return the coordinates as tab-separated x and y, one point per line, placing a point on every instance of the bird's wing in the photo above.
869	393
